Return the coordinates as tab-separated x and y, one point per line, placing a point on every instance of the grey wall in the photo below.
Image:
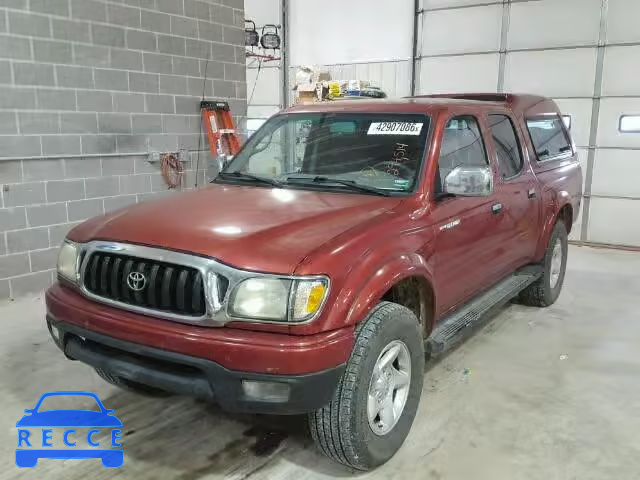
87	89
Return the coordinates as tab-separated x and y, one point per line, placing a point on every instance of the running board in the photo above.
459	325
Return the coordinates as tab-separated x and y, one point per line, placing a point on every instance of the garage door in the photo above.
590	67
614	211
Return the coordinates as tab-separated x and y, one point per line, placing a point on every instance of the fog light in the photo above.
266	391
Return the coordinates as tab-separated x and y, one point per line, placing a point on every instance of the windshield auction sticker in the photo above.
395	128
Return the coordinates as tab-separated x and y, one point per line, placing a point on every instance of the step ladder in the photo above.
224	141
460	324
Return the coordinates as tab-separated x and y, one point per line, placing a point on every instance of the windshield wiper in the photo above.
352	185
249	177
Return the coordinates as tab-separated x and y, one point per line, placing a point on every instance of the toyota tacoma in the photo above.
344	243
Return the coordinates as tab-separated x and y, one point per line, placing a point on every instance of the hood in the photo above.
254	228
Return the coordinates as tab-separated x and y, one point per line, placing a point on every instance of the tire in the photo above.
546	290
342	429
131	386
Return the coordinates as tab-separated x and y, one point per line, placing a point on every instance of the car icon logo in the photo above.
136	281
82	426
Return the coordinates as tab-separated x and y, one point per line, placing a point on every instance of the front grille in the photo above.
167	287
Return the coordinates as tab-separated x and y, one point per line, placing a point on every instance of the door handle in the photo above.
496	208
531	193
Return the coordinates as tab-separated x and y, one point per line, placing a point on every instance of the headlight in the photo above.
262	298
278	299
68	261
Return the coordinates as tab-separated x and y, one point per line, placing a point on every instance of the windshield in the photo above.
364	152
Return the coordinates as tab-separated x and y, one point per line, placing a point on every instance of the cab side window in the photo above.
507	146
462	145
549	137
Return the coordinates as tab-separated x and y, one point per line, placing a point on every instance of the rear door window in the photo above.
507	146
549	138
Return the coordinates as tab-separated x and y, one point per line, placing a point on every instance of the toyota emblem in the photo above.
136	281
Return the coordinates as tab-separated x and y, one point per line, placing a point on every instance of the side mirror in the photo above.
469	182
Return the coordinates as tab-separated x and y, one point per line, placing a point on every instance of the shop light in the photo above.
251	36
270	38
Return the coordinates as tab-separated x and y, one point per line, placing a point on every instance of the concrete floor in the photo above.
537	394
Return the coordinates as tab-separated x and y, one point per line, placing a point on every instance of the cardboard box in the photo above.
306	97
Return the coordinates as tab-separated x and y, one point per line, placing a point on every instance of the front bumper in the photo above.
235	349
193	376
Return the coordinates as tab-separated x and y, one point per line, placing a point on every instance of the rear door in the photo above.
517	190
467	230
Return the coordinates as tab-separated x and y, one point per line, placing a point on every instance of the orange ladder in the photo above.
221	131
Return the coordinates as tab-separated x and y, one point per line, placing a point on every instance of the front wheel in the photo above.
546	290
377	397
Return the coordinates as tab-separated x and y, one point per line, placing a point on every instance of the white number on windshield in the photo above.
394	128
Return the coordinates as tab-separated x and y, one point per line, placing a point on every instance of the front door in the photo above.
467	229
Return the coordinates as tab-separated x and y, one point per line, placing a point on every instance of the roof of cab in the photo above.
422	103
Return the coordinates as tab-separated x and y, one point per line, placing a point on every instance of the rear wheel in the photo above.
131	386
376	400
546	290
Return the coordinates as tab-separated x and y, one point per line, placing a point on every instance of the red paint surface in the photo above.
363	243
254	228
234	349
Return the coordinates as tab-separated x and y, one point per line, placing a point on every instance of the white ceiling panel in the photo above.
580	111
622	21
554	73
621	71
616	173
609	221
553	23
463	73
262	11
267	87
462	30
429	4
353	31
611	109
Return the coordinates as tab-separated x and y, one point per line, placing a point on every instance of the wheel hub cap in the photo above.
389	387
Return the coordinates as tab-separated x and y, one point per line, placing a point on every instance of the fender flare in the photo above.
561	199
388	274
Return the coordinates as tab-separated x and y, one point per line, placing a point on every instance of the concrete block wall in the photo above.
88	88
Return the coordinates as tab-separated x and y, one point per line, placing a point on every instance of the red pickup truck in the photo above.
342	243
